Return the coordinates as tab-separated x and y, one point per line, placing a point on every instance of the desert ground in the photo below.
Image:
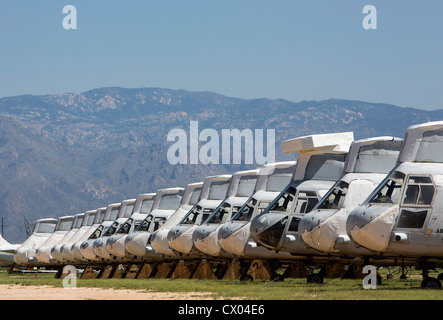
18	292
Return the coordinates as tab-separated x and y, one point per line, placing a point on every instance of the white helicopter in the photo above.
322	231
401	218
56	256
272	178
74	250
99	245
43	229
43	252
319	166
65	249
87	248
213	192
167	202
143	206
158	242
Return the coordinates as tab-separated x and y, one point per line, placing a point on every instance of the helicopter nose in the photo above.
180	238
205	239
135	243
116	245
234	236
371	225
159	242
267	229
320	228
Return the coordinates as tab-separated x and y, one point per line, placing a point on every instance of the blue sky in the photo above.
294	50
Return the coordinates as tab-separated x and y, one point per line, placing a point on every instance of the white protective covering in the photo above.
376	234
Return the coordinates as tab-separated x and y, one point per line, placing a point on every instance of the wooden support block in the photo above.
204	271
164	270
132	271
181	271
234	271
119	272
88	273
260	270
146	271
108	271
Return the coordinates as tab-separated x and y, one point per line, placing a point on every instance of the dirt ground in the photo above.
17	292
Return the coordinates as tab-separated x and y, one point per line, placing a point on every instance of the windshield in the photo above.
246	211
220	213
389	190
284	201
124	228
111	230
335	198
97	233
144	226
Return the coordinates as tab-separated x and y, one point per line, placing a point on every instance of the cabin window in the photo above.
158	222
111	230
419	191
410	218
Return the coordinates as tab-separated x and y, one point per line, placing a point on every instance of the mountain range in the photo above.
67	153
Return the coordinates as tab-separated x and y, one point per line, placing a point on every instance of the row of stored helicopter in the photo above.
341	205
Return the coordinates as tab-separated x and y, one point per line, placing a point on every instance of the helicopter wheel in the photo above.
315	278
431	283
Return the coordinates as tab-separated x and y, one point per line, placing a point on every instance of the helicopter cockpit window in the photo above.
335	198
144	226
284	201
111	230
389	190
220	213
417	198
96	233
192	215
246	211
124	229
